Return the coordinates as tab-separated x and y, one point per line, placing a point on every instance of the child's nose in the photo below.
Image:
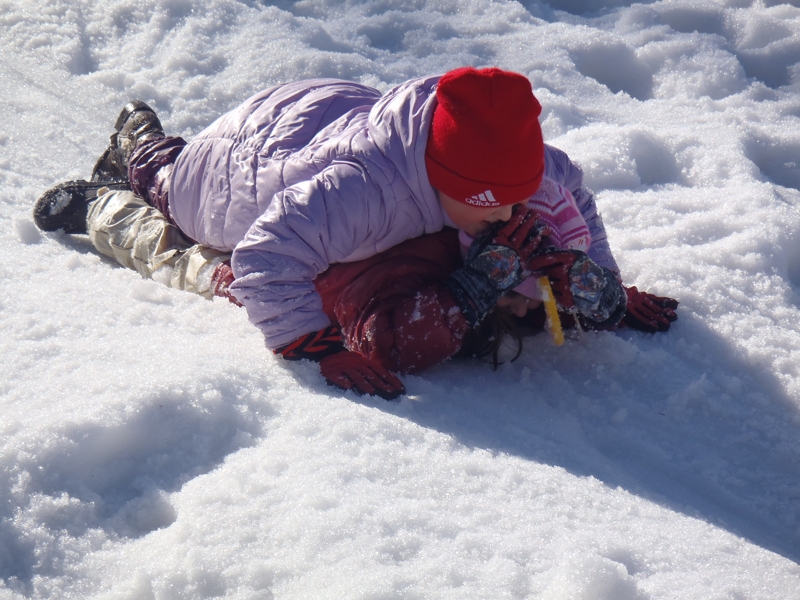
504	213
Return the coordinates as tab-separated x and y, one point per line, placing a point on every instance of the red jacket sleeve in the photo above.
393	308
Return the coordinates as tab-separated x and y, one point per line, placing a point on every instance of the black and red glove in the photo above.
221	281
495	263
582	286
342	368
353	371
649	313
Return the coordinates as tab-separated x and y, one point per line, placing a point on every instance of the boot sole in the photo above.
66	205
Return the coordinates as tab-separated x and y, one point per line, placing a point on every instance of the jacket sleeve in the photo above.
306	228
560	168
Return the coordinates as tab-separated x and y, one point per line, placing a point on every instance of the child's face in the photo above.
516	304
474	220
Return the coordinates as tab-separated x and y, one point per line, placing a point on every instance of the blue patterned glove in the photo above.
496	262
583	287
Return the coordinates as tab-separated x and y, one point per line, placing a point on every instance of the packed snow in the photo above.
151	447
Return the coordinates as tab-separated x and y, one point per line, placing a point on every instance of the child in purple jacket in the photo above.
312	173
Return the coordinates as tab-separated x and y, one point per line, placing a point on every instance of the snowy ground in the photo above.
150	447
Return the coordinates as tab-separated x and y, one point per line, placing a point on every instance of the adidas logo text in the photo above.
486	199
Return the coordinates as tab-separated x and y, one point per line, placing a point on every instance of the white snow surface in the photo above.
151	447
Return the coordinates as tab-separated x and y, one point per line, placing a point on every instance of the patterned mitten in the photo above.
496	262
582	286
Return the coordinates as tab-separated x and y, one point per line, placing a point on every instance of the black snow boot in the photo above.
136	123
66	205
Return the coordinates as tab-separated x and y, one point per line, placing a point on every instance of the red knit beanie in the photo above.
485	147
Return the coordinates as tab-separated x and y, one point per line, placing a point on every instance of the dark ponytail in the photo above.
486	338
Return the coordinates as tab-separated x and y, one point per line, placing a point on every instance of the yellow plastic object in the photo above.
553	323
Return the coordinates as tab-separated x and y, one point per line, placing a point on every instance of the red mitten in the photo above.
649	313
342	368
523	233
221	281
556	267
354	371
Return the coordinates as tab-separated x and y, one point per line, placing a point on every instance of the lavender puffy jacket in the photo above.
316	172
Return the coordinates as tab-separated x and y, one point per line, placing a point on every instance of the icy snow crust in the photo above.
150	447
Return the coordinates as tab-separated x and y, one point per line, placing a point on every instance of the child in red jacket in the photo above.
396	309
470	139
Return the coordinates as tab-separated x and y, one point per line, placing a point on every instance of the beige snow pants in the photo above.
123	226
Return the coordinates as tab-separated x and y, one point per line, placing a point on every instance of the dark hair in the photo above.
486	338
